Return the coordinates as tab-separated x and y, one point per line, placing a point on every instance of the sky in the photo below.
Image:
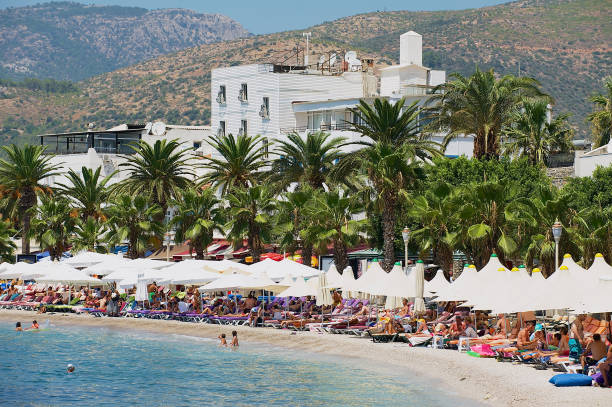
268	16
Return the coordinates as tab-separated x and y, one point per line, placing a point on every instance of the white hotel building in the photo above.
273	100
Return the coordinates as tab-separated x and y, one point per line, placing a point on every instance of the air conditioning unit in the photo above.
263	112
220	98
242	96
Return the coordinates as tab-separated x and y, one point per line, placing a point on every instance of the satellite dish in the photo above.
148	127
350	56
332	59
158	129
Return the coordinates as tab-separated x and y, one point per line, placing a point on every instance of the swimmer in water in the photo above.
18	327
34	325
70	368
234	343
223	341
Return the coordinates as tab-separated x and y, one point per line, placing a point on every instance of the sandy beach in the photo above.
484	380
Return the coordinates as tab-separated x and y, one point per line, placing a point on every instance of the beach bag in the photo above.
570	380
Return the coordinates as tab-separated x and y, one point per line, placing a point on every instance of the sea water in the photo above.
144	369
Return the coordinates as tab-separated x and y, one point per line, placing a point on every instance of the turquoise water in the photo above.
143	369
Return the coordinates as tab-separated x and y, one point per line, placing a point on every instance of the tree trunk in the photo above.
25	240
389	216
199	250
340	255
307	254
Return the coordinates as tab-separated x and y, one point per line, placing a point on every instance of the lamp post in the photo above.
406	237
557	229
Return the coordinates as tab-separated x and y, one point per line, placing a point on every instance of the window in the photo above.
221	130
266	146
243	96
196	145
221	95
264	111
243	127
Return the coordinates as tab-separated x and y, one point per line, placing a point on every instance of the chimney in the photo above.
411	48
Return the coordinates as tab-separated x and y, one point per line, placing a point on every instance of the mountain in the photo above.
64	40
565	44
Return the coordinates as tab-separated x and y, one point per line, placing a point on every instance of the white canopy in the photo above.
194	277
334	279
322	292
66	276
460	288
277	270
299	289
37	270
86	259
419	271
373	281
225	266
436	284
347	282
397	287
239	282
107	266
150	264
596	291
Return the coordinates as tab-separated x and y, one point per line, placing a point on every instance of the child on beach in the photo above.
222	339
234	342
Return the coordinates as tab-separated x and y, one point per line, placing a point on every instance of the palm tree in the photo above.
21	174
249	215
389	159
601	118
88	191
332	222
89	235
198	215
159	172
240	162
536	216
436	212
593	233
484	223
7	246
53	224
533	136
305	161
292	223
480	105
134	219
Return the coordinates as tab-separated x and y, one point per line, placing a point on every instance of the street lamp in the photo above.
557	228
406	237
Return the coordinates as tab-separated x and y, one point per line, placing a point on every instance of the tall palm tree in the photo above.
601	117
198	215
21	174
332	222
88	190
53	224
292	223
531	134
159	172
134	219
305	161
480	105
241	160
436	212
392	143
89	235
250	211
7	246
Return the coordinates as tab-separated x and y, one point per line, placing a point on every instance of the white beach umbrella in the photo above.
323	295
397	287
110	264
68	275
86	259
600	269
460	289
194	277
595	292
299	289
334	279
36	270
347	282
372	280
141	288
239	282
419	270
150	264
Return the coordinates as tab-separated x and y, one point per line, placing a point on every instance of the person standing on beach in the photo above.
234	343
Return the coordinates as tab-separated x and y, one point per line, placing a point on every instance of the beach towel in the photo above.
575	350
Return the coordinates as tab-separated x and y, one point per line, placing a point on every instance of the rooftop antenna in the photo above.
307	35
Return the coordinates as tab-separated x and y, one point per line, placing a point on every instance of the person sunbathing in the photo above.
605	369
502	326
563	342
469	330
456	328
422	327
523	342
594	352
363	309
405	310
441	330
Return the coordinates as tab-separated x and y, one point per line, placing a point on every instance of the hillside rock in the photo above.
73	41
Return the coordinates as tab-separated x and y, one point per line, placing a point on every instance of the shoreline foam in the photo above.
485	381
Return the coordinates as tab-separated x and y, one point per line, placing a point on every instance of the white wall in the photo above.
584	166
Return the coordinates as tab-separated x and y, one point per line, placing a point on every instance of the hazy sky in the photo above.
266	16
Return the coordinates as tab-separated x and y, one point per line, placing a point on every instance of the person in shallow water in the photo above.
34	325
223	340
234	342
70	368
18	327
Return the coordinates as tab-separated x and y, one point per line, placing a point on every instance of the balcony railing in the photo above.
322	127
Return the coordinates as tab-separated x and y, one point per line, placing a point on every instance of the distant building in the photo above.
273	100
586	163
106	148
